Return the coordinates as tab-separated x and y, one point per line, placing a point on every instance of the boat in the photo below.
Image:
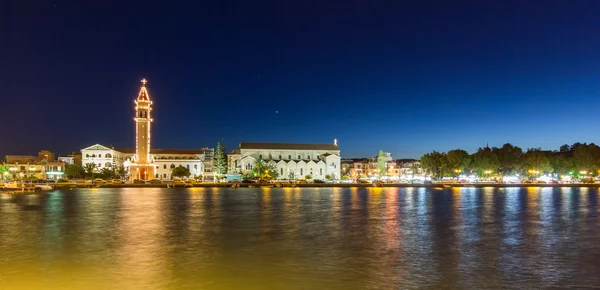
447	185
25	187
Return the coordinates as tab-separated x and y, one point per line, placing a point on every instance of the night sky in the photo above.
407	77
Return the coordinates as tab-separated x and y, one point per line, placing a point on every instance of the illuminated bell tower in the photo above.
142	166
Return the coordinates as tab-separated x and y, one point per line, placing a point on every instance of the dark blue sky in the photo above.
406	77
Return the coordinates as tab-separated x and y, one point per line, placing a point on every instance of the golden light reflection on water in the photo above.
300	238
141	253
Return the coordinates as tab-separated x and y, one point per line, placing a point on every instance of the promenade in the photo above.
321	185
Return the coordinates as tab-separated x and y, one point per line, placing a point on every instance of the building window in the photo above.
188	166
165	166
279	156
301	171
260	157
281	172
99	165
156	175
308	157
164	175
107	164
107	155
87	155
172	165
321	171
299	157
290	157
195	166
157	167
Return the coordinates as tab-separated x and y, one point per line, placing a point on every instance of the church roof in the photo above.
288	146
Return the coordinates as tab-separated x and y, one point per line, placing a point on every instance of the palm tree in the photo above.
3	169
90	168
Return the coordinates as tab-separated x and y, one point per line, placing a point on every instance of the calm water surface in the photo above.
328	238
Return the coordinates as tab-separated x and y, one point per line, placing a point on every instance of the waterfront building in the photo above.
163	160
357	168
293	161
42	166
144	162
20	159
409	167
34	170
72	158
46	155
69	160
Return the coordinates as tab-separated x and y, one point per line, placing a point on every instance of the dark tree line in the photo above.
577	159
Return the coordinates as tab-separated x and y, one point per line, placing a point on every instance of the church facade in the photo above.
293	161
144	162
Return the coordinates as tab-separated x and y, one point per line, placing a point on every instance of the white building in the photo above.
164	160
293	161
144	162
70	160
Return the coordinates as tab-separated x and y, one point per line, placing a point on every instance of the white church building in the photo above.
145	162
293	161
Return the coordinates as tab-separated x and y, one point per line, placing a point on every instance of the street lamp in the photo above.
487	173
457	171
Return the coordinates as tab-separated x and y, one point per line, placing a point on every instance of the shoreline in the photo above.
327	185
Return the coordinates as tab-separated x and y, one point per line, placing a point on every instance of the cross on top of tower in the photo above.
143	96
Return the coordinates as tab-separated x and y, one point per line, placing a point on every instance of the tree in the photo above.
585	158
220	160
574	146
90	169
308	177
122	171
74	171
535	162
434	163
564	148
561	164
328	177
107	173
4	171
485	161
344	177
381	163
508	158
180	171
264	171
458	159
